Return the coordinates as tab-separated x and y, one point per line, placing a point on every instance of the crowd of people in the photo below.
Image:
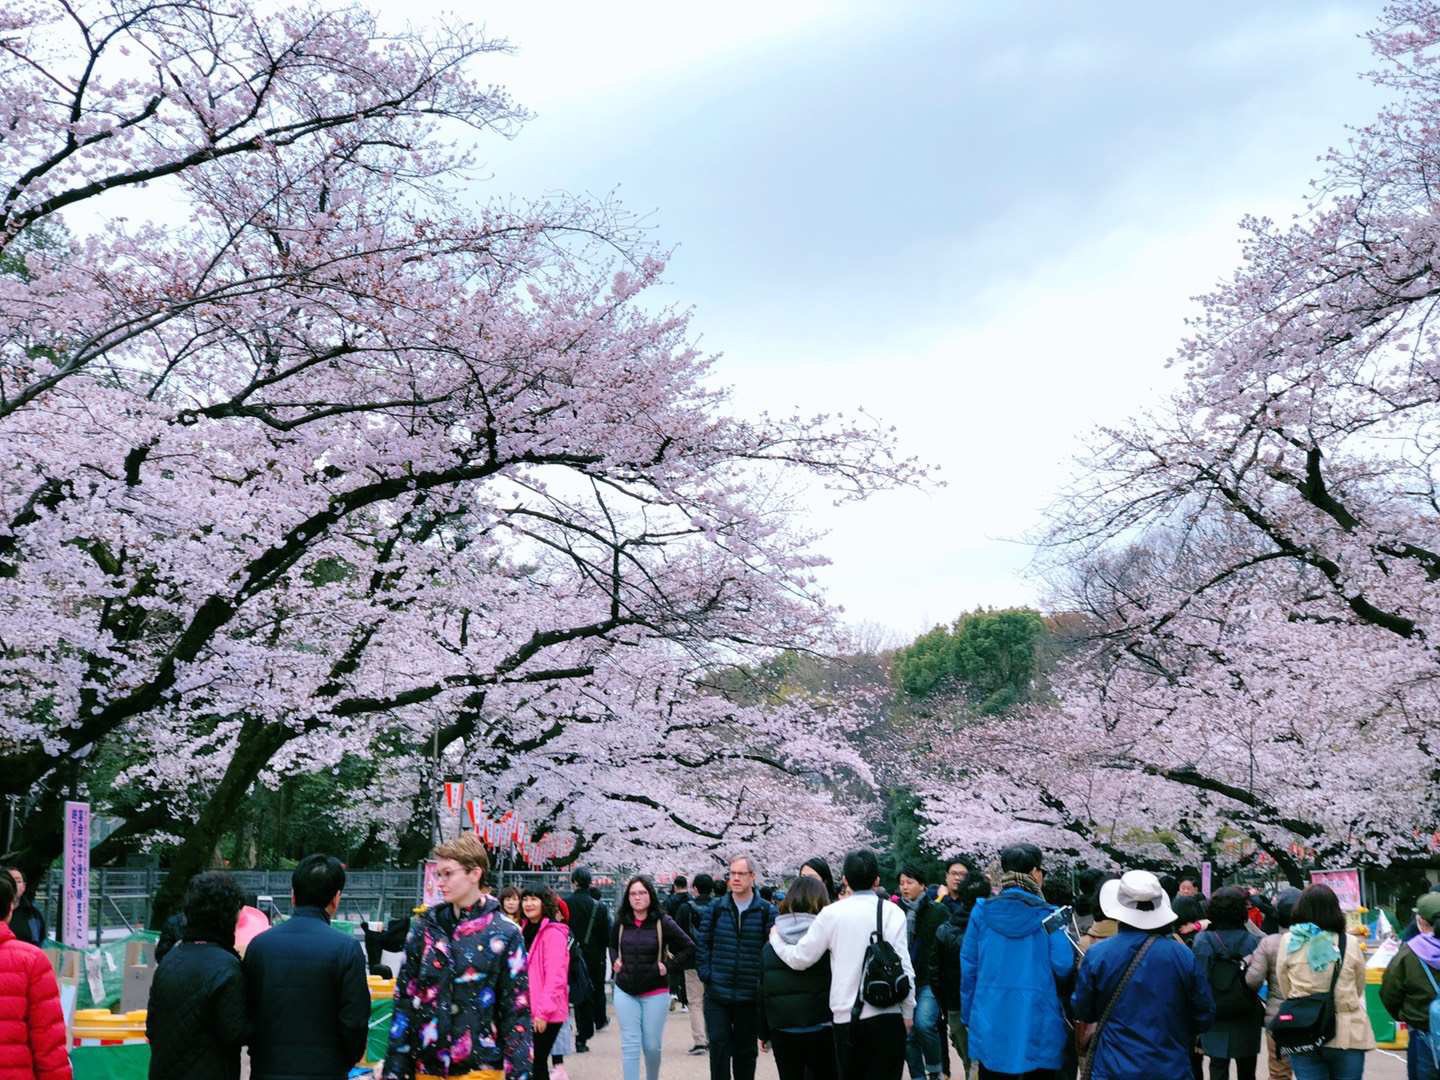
1141	978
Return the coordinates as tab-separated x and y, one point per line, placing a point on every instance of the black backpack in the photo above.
1305	1024
1233	999
883	982
582	988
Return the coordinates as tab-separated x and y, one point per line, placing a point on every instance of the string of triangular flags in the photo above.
507	832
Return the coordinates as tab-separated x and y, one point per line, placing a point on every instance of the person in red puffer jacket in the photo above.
32	1028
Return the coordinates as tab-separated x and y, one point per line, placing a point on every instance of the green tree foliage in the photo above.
992	657
902	846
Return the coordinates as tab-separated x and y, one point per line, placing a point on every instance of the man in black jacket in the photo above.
924	1048
306	985
590	924
679	898
729	939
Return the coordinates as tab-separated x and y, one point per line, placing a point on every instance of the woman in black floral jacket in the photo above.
462	1007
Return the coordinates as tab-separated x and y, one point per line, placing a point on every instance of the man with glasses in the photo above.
728	941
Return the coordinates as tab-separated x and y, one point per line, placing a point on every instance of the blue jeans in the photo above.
642	1026
922	1048
1329	1064
1419	1061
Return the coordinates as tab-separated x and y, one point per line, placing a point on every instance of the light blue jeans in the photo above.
923	1049
1329	1063
642	1027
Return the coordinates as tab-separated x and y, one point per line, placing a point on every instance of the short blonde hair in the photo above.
468	851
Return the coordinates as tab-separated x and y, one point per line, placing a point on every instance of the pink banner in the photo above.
1205	879
430	893
75	888
1346	884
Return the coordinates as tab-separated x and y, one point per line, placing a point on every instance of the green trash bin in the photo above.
1390	1035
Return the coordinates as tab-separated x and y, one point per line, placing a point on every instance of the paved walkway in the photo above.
603	1060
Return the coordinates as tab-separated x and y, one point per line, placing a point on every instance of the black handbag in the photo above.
1304	1024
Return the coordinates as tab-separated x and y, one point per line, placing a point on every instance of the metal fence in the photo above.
121	900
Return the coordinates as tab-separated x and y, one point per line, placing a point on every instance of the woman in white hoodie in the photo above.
795	1017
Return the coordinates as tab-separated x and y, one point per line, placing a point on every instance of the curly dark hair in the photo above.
212	903
549	902
1227	908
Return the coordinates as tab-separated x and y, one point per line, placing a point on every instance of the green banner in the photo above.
378	1041
130	1062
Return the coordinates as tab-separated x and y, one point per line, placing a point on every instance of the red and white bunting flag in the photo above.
454	795
475	808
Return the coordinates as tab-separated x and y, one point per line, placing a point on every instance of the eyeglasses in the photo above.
742	873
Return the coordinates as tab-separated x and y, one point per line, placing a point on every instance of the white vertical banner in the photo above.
75	889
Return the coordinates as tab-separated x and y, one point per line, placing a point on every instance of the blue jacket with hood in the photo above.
1009	996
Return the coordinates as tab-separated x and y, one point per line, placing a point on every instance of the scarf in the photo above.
1322	951
1426	948
911	909
1009	879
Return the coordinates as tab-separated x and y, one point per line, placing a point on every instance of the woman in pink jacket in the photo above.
547	940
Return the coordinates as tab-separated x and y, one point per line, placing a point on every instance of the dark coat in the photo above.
590	924
1405	991
196	1017
638	950
924	947
1166	1004
27	922
791	999
728	947
308	1000
949	937
1231	1037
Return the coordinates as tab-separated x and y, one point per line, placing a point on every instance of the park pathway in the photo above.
603	1060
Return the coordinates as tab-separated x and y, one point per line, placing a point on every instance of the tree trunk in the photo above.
258	743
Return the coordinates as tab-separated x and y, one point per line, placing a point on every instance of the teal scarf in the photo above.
1322	950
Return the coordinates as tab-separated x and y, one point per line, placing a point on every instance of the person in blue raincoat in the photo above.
1163	1006
1012	965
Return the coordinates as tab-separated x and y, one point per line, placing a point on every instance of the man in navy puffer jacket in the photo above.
729	939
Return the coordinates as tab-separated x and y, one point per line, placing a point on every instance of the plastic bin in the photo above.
1389	1034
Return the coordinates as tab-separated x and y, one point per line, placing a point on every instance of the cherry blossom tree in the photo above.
327	458
1258	555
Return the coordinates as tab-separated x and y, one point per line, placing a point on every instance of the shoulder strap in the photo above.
1335	975
879	919
659	938
1120	988
594	914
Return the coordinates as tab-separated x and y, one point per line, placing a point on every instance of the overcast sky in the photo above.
980	221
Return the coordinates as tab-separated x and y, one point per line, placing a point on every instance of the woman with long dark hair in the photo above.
643	943
547	946
1308	953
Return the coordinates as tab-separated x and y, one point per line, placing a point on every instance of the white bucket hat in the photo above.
1137	900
